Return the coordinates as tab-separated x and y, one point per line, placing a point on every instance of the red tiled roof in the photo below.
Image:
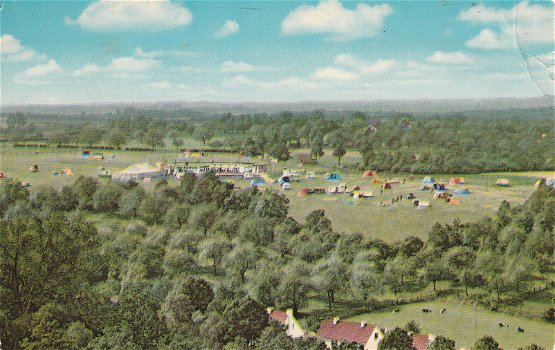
346	331
420	341
280	316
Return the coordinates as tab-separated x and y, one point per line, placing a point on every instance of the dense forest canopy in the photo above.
396	143
194	266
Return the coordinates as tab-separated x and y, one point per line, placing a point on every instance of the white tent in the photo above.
138	172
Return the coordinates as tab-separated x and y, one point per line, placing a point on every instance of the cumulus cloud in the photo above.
37	75
456	57
293	82
130	15
523	23
231	66
162	53
338	22
362	66
124	64
166	85
488	39
332	73
229	27
12	50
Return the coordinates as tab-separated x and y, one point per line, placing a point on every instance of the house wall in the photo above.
372	343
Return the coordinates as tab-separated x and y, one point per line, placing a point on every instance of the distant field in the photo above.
465	324
367	216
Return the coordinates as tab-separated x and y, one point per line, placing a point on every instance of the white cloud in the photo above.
523	24
237	81
488	39
37	75
231	66
332	73
129	15
12	49
363	66
162	53
338	22
43	69
293	82
229	27
120	65
166	85
456	57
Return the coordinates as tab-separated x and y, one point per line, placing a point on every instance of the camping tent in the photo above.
303	192
454	201
428	180
455	181
67	172
310	174
333	177
34	168
1	175
462	192
138	172
422	205
550	182
369	173
502	182
98	156
257	181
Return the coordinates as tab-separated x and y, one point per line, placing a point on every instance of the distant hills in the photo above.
415	107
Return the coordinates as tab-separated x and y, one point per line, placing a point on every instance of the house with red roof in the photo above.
421	341
287	319
342	331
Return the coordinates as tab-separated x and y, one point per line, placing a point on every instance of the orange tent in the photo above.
454	201
376	181
369	173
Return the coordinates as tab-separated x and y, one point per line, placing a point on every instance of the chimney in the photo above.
362	324
335	320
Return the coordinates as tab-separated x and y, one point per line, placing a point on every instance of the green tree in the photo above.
214	249
154	137
203	216
107	197
441	343
412	326
486	343
203	133
329	275
48	329
396	339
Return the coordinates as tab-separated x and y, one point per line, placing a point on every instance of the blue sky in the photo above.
107	51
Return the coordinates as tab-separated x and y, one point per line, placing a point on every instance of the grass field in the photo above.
388	222
465	324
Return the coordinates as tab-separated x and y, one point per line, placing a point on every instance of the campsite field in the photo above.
465	324
390	221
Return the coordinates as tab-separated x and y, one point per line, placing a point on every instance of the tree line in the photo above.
397	143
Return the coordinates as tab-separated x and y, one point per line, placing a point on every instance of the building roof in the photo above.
279	316
345	331
420	341
223	160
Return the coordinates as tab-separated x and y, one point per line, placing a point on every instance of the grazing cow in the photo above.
521	330
503	325
442	311
427	311
396	310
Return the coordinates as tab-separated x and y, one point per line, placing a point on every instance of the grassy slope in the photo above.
465	324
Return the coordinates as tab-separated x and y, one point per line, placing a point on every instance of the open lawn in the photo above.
390	221
465	324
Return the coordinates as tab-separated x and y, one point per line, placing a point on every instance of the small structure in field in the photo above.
503	182
456	181
333	177
454	201
98	156
428	180
462	192
368	173
138	172
85	154
1	175
34	168
288	320
310	175
67	172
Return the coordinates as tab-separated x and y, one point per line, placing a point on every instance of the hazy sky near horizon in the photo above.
269	51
